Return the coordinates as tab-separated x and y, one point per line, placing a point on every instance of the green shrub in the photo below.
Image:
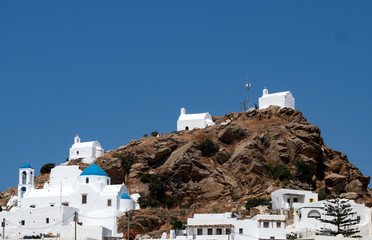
157	187
234	198
208	148
254	202
47	168
176	223
127	160
147	201
146	178
279	171
304	172
154	133
145	135
322	195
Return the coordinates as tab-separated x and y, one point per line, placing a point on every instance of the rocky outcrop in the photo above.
247	143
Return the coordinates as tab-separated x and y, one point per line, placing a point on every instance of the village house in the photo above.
227	226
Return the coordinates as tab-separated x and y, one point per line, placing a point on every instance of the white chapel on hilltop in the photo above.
191	121
88	151
281	99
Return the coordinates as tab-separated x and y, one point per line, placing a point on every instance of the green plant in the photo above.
145	135
254	202
127	160
277	170
340	214
265	142
157	188
208	148
322	195
304	172
154	133
176	223
234	198
47	168
147	201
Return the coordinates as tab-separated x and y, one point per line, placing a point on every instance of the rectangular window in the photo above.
266	224
84	198
311	200
51	204
295	199
200	231
65	204
219	231
227	231
288	200
32	206
278	224
210	231
240	230
47	220
109	202
23	222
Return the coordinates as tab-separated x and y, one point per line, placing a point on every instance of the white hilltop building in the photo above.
87	194
307	210
281	99
191	121
88	151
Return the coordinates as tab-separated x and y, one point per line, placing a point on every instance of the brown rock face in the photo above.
247	141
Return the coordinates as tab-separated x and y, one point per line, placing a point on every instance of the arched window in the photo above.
186	128
313	214
87	180
24	175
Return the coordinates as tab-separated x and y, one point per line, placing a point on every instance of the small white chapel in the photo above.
88	151
191	121
281	99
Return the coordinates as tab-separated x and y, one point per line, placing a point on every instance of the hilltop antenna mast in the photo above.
248	85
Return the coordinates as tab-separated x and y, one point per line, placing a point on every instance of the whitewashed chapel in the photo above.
87	193
281	99
88	151
191	121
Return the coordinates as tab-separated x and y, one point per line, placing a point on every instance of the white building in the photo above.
306	217
285	198
191	121
307	210
281	99
88	194
88	151
227	227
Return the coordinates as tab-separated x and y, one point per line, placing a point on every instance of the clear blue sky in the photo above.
115	70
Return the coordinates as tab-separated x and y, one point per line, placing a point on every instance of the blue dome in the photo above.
124	196
93	170
26	165
23	189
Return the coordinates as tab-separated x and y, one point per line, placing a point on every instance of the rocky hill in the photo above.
245	155
256	152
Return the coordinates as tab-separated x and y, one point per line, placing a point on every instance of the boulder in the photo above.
233	132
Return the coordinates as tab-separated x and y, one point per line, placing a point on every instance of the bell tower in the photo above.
26	180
